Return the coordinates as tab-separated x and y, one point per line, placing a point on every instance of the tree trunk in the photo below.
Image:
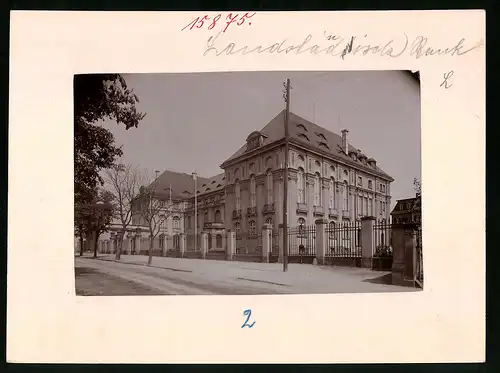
119	245
81	243
96	241
151	242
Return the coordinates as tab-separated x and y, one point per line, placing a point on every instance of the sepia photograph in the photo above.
247	183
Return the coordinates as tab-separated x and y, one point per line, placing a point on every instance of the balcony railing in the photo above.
268	208
236	214
251	211
318	210
301	207
332	213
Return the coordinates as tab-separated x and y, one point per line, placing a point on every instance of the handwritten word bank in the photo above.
333	45
219	21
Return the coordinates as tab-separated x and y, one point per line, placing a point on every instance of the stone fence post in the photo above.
266	242
404	246
230	244
182	244
367	241
321	240
204	244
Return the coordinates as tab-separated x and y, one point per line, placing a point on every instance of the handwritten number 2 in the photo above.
445	82
247	313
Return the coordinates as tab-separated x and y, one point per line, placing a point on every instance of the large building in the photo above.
329	178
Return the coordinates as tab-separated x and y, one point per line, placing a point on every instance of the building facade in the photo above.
328	179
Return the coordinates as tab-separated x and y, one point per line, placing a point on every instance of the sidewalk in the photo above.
302	278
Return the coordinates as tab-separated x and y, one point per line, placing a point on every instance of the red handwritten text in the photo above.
238	19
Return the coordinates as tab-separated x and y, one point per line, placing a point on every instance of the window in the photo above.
237	228
238	196
253	197
317	190
218	216
163	222
177	222
370	184
360	205
269	186
252	228
205	217
218	241
331	202
301	135
197	220
161	240
269	221
302	126
360	180
381	204
345	205
188	222
302	223
301	182
177	242
366	207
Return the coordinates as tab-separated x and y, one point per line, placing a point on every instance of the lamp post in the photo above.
195	209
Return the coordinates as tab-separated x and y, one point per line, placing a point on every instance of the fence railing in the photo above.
382	238
249	243
275	243
302	240
344	240
190	238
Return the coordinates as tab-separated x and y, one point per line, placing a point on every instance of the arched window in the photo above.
253	196
163	222
177	222
345	205
301	183
269	186
317	190
331	202
252	228
237	229
218	241
238	195
218	216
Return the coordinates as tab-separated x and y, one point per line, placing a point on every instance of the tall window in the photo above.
218	241
360	205
238	195
381	203
217	216
252	228
331	202
253	197
301	184
317	190
370	207
269	186
237	228
177	222
345	204
205	217
365	209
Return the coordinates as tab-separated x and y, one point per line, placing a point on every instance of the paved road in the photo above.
206	277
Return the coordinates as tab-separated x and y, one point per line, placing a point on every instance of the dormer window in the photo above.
301	135
302	127
324	144
320	135
213	182
254	140
204	185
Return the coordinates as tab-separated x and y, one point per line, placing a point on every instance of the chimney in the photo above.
345	146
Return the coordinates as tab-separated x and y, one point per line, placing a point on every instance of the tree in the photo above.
152	211
97	97
100	215
82	214
124	182
417	187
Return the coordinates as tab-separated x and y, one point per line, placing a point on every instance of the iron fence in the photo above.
419	257
249	243
382	239
302	240
190	238
275	243
344	239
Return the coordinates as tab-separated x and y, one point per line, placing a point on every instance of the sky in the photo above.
196	121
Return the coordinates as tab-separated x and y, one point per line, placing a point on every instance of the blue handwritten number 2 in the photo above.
247	313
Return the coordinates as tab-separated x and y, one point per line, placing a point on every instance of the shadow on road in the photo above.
384	279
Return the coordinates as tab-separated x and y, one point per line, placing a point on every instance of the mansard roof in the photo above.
304	132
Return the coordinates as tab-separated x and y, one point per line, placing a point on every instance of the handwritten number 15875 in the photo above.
231	18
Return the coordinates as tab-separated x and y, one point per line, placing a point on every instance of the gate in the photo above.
344	240
249	243
419	268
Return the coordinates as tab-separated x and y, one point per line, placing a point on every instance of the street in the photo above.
175	276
